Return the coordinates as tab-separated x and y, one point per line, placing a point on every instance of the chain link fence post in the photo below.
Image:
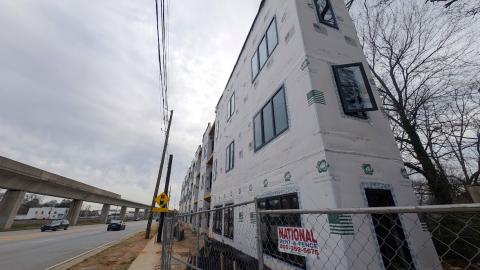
258	225
165	248
197	243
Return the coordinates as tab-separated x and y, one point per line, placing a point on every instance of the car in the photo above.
116	225
56	225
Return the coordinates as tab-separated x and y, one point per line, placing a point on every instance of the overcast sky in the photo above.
79	91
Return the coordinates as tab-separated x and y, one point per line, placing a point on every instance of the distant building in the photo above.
45	213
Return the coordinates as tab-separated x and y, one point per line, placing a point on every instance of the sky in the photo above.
79	87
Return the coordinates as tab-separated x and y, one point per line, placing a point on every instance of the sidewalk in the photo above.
149	258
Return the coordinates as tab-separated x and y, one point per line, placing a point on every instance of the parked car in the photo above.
56	225
116	225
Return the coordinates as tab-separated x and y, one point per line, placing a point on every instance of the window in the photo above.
269	224
325	12
268	43
267	118
263	52
217	221
228	222
279	107
230	157
354	89
231	106
271	120
272	38
215	170
254	65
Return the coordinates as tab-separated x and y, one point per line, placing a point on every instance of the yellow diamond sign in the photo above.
162	201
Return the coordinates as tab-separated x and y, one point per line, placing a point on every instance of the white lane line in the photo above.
106	245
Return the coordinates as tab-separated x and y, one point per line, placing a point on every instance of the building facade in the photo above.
299	125
46	213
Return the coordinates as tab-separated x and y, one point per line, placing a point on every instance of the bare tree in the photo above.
415	54
51	203
459	7
459	129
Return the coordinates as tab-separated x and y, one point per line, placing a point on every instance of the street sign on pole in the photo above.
162	201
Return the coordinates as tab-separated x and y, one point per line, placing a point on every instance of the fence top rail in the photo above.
215	209
474	207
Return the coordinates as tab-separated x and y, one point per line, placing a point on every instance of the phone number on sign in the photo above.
299	250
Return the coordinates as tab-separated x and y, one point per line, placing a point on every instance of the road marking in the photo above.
61	265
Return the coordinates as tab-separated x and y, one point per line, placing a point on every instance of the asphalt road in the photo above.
32	249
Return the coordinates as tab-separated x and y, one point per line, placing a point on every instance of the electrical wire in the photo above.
161	16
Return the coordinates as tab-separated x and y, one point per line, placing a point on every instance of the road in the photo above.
32	249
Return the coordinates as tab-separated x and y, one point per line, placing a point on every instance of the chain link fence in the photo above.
256	235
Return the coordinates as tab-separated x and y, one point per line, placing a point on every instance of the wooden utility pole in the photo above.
165	190
155	193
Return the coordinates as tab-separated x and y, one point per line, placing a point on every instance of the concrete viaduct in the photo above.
18	178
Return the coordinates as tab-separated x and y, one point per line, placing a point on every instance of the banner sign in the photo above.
297	241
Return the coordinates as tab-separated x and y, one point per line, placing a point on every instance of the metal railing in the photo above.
248	236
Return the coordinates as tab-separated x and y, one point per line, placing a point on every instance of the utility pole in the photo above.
155	193
167	183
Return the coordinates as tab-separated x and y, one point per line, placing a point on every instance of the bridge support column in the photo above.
137	212
123	212
146	213
9	207
104	214
74	211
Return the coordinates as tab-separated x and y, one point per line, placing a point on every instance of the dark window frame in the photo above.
230	157
260	113
268	221
228	221
231	101
256	54
217	221
389	231
317	10
361	113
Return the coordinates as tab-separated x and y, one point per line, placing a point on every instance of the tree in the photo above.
51	203
415	54
29	201
460	7
458	129
64	203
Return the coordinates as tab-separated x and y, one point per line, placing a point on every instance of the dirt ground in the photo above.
186	248
117	257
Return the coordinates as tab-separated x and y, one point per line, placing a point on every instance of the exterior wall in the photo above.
318	132
350	142
262	172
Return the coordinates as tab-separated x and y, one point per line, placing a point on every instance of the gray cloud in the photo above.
79	86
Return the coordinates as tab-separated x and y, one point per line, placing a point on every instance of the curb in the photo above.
87	254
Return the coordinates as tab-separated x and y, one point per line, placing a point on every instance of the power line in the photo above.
161	16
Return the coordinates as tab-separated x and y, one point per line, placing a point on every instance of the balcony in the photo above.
208	187
210	149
